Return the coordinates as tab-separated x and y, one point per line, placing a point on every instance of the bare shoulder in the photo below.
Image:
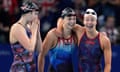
104	37
50	39
13	27
51	34
104	40
52	31
17	28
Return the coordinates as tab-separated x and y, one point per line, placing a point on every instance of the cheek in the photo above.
35	16
84	22
66	22
30	17
95	22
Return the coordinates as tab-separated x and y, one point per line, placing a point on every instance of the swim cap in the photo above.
29	6
68	12
90	12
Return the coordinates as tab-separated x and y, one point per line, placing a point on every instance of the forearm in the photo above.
33	40
40	63
39	42
107	68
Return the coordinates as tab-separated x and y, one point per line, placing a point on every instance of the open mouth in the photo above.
89	26
71	24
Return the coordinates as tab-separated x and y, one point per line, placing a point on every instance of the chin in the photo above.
71	27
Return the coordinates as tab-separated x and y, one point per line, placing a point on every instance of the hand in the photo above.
104	33
38	22
35	25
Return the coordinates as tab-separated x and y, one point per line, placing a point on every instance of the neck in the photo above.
66	33
91	33
22	21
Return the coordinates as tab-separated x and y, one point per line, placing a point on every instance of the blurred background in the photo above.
50	10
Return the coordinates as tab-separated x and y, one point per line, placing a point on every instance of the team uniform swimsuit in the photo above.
24	60
61	55
90	54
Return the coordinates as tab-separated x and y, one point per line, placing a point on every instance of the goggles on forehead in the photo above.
71	15
88	12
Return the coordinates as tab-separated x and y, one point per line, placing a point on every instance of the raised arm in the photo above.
39	40
47	44
20	35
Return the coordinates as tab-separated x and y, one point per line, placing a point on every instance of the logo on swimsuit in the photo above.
67	42
90	42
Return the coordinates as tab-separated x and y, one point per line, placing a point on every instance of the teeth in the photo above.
90	26
71	24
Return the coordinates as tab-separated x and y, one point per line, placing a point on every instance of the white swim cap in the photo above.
90	12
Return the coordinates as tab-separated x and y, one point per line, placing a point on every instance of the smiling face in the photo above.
69	21
90	19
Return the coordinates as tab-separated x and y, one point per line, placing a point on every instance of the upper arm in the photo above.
48	42
59	24
20	35
107	50
78	28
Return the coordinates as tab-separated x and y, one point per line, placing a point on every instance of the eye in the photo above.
69	18
93	13
87	12
74	18
87	19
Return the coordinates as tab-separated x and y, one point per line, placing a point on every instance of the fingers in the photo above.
36	21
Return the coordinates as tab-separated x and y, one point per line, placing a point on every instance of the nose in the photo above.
89	22
73	21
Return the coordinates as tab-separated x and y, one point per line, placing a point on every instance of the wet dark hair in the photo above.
68	12
29	6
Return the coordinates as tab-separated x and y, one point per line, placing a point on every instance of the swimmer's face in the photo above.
32	15
35	14
69	21
90	21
